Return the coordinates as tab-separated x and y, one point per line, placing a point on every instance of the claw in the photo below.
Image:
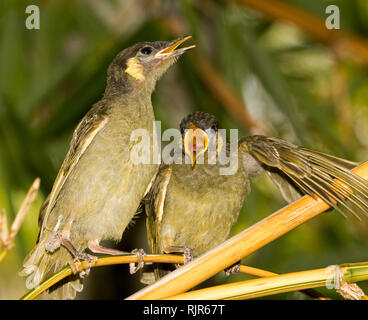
235	268
77	267
188	255
140	253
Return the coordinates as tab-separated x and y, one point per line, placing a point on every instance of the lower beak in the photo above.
195	143
171	51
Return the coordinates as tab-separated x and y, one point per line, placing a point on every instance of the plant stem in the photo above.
338	40
104	261
264	273
278	284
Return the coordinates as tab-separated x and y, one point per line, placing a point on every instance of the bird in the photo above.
99	187
192	207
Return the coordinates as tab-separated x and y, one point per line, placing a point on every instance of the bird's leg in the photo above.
187	252
95	247
78	255
233	269
58	239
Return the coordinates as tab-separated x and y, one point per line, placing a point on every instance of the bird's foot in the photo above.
132	267
233	269
188	255
187	252
77	267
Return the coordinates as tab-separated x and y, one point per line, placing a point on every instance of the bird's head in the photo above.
199	130
142	64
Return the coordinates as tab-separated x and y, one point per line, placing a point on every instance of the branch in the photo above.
7	236
111	260
225	95
264	273
217	85
334	277
238	247
104	261
340	41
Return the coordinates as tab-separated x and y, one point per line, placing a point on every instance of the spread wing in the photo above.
314	173
154	206
83	135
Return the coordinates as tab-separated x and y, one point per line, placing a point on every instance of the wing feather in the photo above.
83	135
314	173
154	206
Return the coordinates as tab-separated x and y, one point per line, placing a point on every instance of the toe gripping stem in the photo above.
56	240
132	267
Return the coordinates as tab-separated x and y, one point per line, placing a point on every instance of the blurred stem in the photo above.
7	235
272	79
24	208
238	247
342	103
283	283
216	84
340	41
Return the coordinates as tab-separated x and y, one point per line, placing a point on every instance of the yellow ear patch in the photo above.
135	69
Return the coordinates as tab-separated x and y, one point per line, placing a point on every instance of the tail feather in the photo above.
66	289
39	265
155	271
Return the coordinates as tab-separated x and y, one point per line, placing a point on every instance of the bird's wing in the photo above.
83	135
154	205
314	173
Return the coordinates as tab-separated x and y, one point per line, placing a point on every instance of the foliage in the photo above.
291	84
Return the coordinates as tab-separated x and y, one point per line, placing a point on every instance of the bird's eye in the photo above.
213	128
146	50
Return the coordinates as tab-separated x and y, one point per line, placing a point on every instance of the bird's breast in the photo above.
104	190
201	207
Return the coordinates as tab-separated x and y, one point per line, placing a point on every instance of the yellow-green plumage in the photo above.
99	188
197	207
197	213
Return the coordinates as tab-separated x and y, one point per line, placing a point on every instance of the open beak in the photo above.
171	51
195	142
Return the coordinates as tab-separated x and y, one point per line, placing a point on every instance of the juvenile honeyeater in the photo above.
192	207
99	188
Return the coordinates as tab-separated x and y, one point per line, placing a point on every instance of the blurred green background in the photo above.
292	85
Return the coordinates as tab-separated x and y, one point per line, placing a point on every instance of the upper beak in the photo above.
170	50
195	142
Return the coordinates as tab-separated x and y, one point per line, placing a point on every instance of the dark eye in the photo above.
213	128
146	50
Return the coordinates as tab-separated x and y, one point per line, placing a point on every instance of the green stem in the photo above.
302	280
104	261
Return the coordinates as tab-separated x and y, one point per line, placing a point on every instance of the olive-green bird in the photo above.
192	207
99	187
